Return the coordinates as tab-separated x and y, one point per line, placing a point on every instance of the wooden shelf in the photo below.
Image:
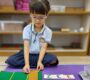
8	51
54	33
11	10
89	44
4	49
11	33
70	33
68	11
64	50
67	52
10	48
71	11
56	51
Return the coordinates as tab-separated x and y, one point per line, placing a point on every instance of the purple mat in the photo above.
61	69
10	69
65	69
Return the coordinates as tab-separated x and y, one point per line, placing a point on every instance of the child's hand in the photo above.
26	69
40	66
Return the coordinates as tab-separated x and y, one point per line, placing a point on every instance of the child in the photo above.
36	37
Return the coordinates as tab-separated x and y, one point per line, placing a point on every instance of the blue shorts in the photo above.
17	60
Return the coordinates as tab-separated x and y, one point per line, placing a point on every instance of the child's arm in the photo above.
41	56
26	56
44	48
26	52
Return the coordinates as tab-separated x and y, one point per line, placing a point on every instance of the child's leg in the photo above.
16	60
33	60
50	60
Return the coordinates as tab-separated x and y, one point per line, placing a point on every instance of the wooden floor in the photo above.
3	65
63	60
74	59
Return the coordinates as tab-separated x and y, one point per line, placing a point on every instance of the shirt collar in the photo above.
42	30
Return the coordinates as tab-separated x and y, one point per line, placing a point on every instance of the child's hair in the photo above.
39	7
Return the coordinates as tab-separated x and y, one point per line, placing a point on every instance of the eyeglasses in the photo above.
41	17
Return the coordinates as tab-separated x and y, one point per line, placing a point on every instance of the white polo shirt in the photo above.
37	39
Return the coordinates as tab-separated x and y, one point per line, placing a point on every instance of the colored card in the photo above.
33	75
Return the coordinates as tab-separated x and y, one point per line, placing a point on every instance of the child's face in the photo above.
38	19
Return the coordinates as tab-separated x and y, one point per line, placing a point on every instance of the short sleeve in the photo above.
26	33
48	36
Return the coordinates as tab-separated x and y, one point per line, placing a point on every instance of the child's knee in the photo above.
57	62
10	61
54	62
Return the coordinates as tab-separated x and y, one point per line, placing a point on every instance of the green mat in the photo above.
16	75
5	75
